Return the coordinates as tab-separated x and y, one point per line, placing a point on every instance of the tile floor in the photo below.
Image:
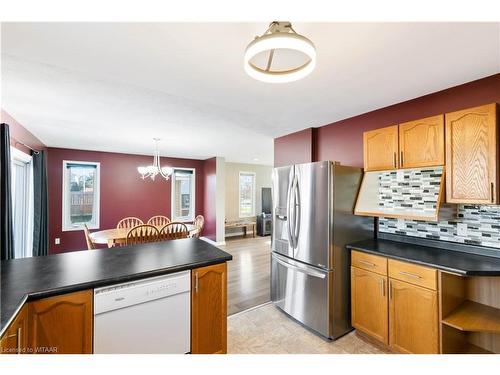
266	330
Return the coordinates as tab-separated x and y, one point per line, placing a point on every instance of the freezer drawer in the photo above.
302	292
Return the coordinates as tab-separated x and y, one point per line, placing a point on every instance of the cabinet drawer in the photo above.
413	274
369	262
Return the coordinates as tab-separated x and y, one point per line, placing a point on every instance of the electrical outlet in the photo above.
57	241
400	224
400	175
462	229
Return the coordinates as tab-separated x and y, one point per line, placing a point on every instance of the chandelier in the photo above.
280	55
155	169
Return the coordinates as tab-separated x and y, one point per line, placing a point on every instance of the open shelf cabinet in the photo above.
469	314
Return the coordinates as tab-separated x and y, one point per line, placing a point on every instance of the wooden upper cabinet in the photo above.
209	309
15	338
413	318
471	155
62	324
380	149
369	309
421	142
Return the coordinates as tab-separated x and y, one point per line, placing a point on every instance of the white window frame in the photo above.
66	224
21	157
253	191
183	219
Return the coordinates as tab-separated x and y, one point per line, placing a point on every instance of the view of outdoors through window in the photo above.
82	179
247	194
182	194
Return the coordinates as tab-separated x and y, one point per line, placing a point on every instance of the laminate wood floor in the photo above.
267	330
248	278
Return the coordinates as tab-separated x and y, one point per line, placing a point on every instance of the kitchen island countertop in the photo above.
39	277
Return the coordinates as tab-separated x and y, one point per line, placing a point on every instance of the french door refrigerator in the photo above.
313	220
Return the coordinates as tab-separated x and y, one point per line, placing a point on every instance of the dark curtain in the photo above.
40	206
6	230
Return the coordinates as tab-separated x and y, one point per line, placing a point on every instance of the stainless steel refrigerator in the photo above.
313	220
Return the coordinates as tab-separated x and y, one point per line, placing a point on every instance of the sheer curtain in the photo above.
22	202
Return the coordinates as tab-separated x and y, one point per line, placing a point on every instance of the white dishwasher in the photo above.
146	316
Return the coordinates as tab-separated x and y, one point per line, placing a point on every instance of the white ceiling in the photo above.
115	86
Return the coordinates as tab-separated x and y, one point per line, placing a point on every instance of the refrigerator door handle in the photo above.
296	214
289	213
307	271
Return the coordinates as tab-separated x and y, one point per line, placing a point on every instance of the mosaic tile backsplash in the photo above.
418	190
415	189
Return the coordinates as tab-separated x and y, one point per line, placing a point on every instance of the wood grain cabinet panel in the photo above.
15	338
369	304
369	262
209	309
62	324
471	155
381	149
413	318
421	142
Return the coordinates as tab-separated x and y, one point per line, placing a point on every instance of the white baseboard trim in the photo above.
221	243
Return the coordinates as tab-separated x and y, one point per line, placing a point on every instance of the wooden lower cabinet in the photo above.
369	312
15	338
209	309
62	324
413	318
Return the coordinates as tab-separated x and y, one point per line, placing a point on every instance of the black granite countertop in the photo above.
39	277
446	260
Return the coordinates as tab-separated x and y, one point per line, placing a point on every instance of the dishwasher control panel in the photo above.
127	294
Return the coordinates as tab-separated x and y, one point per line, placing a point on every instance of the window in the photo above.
80	195
247	194
183	189
22	203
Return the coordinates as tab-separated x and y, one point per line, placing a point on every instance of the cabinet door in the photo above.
413	318
471	155
421	142
380	148
369	310
62	324
209	310
15	338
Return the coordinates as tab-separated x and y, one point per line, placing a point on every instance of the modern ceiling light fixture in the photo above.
155	169
280	55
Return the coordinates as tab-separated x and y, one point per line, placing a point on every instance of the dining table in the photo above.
117	236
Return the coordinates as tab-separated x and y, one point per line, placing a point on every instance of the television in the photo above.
266	200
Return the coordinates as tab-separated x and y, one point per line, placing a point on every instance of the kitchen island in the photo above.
26	282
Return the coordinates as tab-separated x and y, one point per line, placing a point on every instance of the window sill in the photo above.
73	229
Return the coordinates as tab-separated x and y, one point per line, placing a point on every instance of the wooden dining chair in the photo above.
173	231
90	243
159	221
129	222
199	223
142	233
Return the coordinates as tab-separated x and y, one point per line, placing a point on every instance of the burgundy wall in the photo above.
122	191
343	140
209	200
21	134
294	148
